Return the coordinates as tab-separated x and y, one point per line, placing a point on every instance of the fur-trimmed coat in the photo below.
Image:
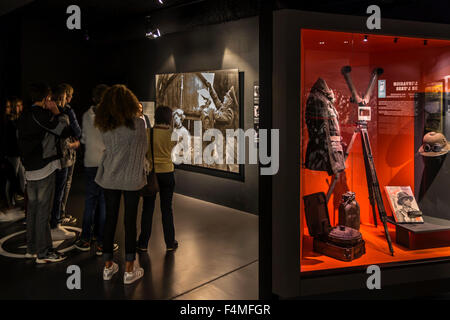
324	151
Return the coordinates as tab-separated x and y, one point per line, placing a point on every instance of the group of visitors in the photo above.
117	159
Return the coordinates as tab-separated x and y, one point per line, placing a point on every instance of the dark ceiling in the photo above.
103	18
115	7
10	5
215	11
417	10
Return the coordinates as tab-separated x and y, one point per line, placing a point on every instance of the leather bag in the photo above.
152	186
349	211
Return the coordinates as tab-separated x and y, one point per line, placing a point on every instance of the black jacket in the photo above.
324	151
11	145
39	132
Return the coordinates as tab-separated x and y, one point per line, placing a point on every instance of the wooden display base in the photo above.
433	233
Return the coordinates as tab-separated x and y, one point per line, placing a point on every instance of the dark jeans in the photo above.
9	181
112	201
60	185
95	199
19	173
67	189
40	200
166	185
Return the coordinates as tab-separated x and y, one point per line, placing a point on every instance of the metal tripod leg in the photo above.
376	193
370	183
372	180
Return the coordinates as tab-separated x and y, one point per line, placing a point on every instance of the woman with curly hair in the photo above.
121	171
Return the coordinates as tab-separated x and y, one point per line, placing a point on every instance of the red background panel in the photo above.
324	53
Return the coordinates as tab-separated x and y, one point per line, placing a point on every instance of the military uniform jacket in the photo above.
324	151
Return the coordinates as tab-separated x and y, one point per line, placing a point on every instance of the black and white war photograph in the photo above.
212	99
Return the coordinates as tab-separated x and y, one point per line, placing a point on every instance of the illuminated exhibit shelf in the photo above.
377	252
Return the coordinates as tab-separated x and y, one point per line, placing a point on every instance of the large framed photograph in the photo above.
201	101
403	204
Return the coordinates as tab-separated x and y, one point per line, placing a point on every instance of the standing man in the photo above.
68	146
67	219
39	129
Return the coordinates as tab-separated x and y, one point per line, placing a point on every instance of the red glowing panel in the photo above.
410	65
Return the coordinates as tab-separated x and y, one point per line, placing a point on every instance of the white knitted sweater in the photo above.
92	139
122	164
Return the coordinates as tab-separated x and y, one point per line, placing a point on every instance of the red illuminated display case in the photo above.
412	83
409	100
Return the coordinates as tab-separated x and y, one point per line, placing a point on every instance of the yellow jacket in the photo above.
162	145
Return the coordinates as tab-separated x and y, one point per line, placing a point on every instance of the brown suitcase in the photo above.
338	252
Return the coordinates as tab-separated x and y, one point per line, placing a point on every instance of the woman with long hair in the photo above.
121	171
164	169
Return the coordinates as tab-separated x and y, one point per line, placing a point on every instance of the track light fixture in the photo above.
365	38
151	31
161	1
425	42
395	40
153	34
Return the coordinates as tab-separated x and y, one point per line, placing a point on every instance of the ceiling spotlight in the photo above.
345	41
151	30
153	34
161	1
322	42
425	42
395	40
365	38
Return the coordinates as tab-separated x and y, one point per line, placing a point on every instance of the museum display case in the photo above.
375	174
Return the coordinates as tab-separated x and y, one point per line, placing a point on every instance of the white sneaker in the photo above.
59	233
136	274
109	272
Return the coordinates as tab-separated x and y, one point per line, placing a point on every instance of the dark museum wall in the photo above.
118	52
52	53
225	46
10	46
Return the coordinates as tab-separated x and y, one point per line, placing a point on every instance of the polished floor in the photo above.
217	258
